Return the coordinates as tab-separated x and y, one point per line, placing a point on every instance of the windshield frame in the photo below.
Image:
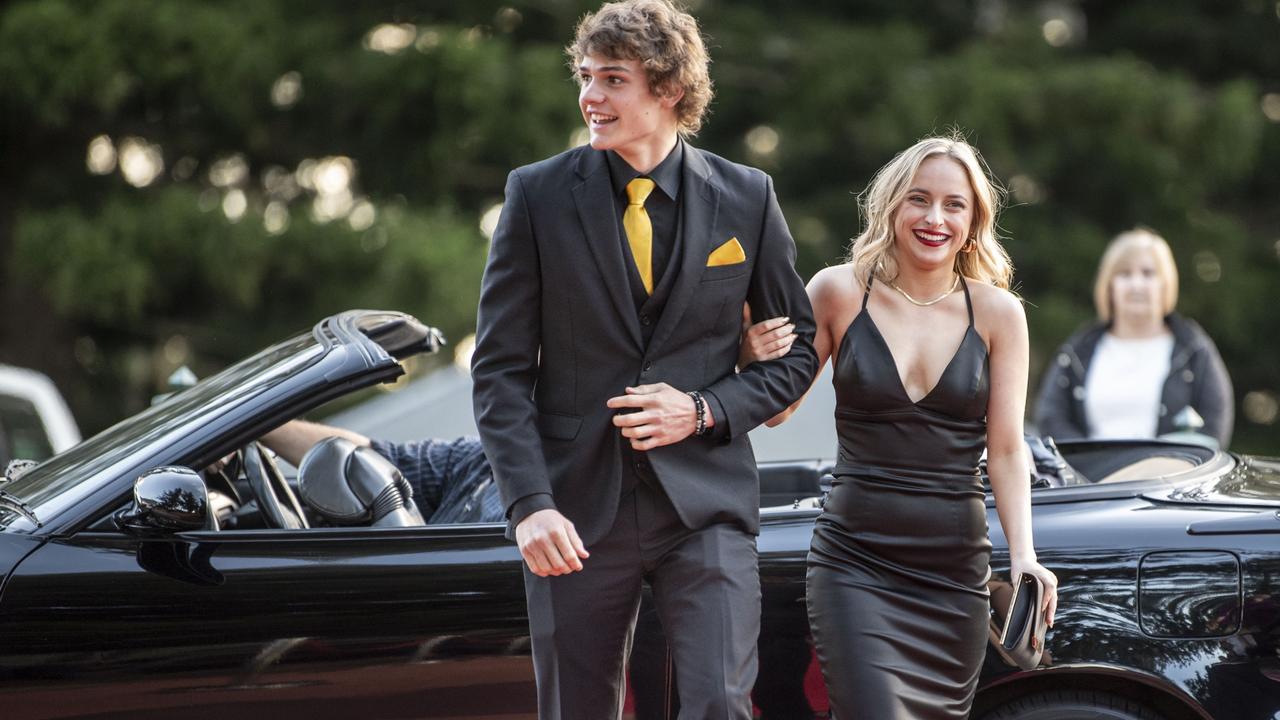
66	479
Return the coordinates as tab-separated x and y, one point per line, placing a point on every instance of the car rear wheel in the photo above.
1072	705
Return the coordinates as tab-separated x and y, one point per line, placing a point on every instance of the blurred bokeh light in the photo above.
287	90
1025	190
391	38
101	157
230	171
1208	267
762	141
362	215
275	218
1271	106
1262	407
234	204
489	220
140	161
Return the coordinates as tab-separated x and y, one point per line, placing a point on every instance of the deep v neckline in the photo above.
897	372
888	351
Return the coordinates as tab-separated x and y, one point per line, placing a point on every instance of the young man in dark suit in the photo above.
605	388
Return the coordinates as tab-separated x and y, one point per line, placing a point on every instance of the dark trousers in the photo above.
706	587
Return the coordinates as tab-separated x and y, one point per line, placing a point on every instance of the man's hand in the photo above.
664	416
549	544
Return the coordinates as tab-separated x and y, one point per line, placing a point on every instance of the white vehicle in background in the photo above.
35	422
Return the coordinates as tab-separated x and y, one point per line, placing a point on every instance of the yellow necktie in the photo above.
635	222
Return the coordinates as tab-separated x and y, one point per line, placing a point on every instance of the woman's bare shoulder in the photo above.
999	314
835	284
994	302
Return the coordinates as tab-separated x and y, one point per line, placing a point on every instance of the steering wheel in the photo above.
277	502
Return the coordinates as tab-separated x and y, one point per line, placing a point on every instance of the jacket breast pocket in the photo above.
557	426
725	272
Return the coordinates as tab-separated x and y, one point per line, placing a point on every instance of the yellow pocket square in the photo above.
729	253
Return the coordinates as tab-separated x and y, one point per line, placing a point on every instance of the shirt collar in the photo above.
666	175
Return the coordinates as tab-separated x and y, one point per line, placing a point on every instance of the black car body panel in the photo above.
1168	580
340	623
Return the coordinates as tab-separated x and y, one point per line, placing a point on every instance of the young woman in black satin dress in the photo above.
929	352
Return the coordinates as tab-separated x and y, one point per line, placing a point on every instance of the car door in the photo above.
374	623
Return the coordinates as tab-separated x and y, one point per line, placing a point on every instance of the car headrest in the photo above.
349	484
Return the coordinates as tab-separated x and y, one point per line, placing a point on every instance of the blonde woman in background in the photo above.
929	352
1141	369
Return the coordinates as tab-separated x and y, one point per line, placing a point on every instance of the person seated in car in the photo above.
1141	370
451	479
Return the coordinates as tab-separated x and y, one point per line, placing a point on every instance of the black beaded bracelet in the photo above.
700	408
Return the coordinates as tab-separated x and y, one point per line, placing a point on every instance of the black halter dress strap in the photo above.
968	301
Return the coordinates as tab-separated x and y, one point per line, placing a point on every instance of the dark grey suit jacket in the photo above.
558	335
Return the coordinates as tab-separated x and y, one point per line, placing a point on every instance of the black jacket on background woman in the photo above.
1197	378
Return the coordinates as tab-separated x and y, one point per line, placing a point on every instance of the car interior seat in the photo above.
349	484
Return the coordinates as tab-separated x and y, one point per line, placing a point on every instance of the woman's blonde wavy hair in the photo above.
873	250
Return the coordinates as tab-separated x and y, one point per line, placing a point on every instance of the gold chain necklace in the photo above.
926	303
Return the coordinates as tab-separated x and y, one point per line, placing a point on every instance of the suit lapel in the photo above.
594	199
700	205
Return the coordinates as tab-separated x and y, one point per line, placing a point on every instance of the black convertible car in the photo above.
123	593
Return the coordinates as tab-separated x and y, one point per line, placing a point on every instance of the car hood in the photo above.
1254	481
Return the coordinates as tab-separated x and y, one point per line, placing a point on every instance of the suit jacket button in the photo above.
646	320
647	367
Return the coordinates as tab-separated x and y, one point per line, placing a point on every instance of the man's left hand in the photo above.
663	415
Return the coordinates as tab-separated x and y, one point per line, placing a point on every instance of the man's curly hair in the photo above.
665	40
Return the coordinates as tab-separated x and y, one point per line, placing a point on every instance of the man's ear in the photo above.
669	94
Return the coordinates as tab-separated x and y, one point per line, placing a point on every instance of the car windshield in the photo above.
58	482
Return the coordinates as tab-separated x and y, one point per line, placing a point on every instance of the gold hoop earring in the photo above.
970	246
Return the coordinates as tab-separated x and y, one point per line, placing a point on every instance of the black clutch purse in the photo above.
1024	626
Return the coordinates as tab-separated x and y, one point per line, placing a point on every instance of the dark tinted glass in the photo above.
22	433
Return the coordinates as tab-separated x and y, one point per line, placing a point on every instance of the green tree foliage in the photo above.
1097	116
119	272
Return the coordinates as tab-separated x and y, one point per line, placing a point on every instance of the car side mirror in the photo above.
167	500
